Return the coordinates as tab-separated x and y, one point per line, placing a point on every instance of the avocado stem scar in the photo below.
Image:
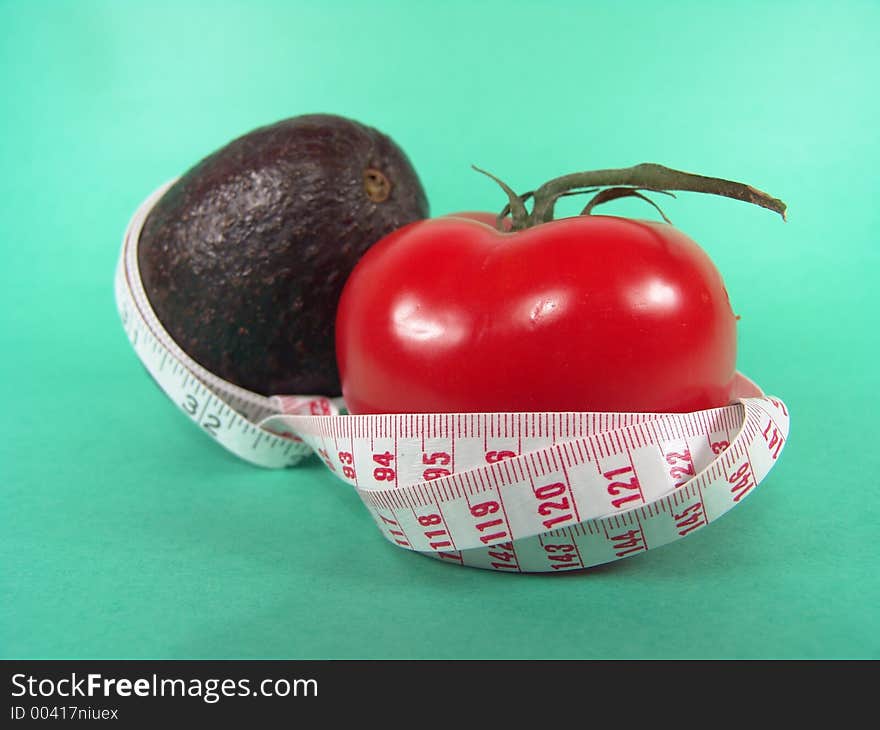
376	185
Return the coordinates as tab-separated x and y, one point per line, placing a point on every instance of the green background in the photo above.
125	532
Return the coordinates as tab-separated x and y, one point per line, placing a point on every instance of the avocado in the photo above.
244	257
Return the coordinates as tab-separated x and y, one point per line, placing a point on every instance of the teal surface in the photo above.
126	532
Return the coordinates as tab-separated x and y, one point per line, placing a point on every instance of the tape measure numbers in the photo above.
517	492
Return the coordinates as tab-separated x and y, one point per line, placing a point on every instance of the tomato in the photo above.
588	313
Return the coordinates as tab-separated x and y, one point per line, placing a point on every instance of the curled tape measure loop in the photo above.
517	492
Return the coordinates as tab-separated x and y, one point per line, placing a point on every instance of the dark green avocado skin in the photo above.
244	257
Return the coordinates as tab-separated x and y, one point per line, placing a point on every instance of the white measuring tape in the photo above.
517	492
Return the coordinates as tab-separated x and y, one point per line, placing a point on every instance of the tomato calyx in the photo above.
616	183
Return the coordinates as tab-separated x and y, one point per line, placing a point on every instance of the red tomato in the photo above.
590	313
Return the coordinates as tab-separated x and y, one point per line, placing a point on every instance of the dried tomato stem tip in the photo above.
646	176
516	207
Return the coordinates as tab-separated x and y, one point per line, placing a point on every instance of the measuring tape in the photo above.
516	492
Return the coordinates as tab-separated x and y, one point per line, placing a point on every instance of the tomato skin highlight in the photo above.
590	313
